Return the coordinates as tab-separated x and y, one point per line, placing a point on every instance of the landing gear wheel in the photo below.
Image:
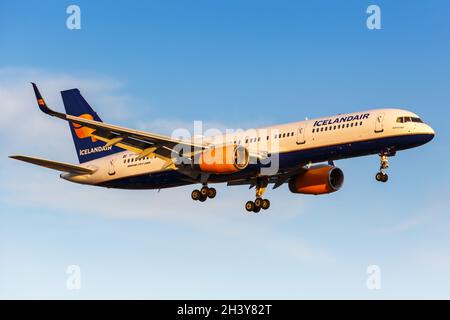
211	193
196	195
250	206
384	164
382	177
203	199
259	203
379	176
265	204
204	191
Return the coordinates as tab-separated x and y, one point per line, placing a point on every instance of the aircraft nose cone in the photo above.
430	134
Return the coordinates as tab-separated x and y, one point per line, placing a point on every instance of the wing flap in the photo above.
55	165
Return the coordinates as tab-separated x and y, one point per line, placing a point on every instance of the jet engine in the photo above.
317	180
222	159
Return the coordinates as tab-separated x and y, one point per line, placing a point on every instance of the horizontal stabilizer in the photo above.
55	165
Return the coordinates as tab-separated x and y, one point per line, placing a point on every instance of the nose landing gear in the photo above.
384	164
259	203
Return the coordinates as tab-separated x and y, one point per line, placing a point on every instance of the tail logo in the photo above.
84	132
41	102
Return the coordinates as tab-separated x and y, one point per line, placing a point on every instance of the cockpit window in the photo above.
409	119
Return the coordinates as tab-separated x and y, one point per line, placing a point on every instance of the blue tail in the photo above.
88	148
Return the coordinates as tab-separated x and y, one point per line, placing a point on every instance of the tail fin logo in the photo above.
41	102
83	132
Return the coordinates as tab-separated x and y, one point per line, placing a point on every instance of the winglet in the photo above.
43	106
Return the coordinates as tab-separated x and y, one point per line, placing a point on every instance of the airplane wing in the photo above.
140	142
55	165
278	179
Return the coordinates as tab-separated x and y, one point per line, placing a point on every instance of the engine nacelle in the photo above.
319	180
222	159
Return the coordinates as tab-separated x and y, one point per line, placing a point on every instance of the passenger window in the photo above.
313	130
267	137
334	128
360	123
284	135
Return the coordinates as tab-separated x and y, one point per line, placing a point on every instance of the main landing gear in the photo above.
384	164
204	193
259	203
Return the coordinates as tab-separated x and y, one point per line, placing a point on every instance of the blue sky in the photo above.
160	65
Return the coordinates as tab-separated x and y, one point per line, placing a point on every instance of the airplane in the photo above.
300	154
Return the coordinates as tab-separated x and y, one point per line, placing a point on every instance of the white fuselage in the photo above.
297	143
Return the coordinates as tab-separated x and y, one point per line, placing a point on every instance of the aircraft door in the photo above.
111	170
379	123
301	134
